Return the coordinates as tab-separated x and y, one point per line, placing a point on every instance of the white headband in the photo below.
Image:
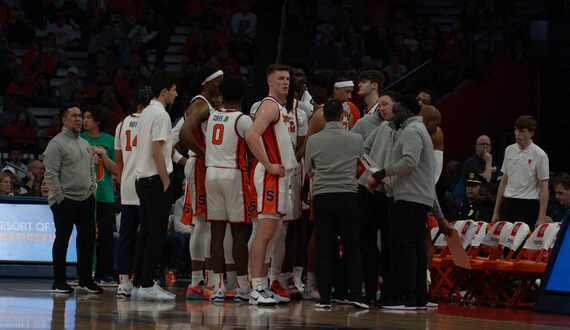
341	84
212	76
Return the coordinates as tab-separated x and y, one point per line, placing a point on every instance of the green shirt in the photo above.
105	185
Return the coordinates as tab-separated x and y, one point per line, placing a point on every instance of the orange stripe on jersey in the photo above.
246	197
241	162
271	145
200	186
187	214
199	136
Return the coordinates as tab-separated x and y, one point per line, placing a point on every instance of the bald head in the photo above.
36	167
482	145
432	118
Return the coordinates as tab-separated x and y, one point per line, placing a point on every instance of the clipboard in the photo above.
456	249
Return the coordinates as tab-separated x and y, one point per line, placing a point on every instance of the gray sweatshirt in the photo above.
331	159
68	160
365	126
378	146
413	163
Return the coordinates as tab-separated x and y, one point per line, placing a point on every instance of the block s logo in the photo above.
201	199
187	208
270	196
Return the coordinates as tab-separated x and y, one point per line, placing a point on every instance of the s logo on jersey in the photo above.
270	196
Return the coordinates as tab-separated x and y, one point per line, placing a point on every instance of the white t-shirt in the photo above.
154	125
126	141
525	169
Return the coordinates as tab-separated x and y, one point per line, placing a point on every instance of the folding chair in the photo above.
499	290
531	263
474	280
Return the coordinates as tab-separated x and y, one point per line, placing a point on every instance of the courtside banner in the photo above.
27	231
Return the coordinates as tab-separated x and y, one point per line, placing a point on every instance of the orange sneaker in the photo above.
282	294
198	292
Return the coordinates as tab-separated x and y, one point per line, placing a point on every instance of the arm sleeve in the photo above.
412	148
243	123
52	163
542	168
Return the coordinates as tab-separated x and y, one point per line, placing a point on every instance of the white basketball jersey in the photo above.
126	141
205	122
277	140
291	121
372	110
224	147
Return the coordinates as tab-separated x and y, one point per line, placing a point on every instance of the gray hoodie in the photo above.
68	160
413	164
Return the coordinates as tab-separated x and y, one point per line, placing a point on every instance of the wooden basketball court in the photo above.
29	304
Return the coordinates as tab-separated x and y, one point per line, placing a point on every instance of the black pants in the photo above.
409	242
337	213
525	210
391	287
373	215
65	215
127	238
154	210
105	251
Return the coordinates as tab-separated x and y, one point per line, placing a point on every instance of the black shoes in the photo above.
61	288
90	287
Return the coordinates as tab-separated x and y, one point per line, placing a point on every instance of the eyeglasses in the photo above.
484	144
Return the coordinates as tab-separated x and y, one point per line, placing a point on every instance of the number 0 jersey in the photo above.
126	142
225	148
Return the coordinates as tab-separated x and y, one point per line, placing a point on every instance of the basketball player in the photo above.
269	141
192	134
125	150
370	82
227	186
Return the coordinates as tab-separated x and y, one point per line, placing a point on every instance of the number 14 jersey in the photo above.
126	142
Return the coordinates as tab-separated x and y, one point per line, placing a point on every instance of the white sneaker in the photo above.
241	294
219	295
310	293
125	289
155	293
279	298
134	293
261	296
299	284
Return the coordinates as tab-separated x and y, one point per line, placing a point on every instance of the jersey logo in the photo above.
270	196
201	199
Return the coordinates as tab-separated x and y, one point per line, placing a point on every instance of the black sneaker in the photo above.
90	287
61	288
323	305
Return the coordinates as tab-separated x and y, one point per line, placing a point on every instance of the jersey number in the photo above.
218	134
134	144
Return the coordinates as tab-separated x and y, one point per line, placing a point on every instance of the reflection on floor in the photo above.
30	304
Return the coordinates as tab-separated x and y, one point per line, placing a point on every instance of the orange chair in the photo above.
531	263
499	290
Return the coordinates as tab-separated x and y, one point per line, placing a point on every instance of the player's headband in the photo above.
341	84
212	76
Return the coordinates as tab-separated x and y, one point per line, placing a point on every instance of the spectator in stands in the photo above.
9	73
70	85
482	161
158	36
20	32
219	37
326	55
43	190
44	92
55	126
63	32
10	113
35	171
139	71
35	54
355	50
5	185
523	191
74	13
474	207
103	35
99	63
122	83
113	108
20	87
395	70
15	162
426	97
95	88
20	127
244	23
55	53
227	64
103	147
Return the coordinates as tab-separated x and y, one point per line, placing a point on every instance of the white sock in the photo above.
242	282
311	279
209	277
274	274
297	273
218	281
259	282
232	280
124	279
283	278
197	277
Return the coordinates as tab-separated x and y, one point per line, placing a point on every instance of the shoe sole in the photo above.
196	297
89	290
61	291
255	302
397	307
123	295
359	305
